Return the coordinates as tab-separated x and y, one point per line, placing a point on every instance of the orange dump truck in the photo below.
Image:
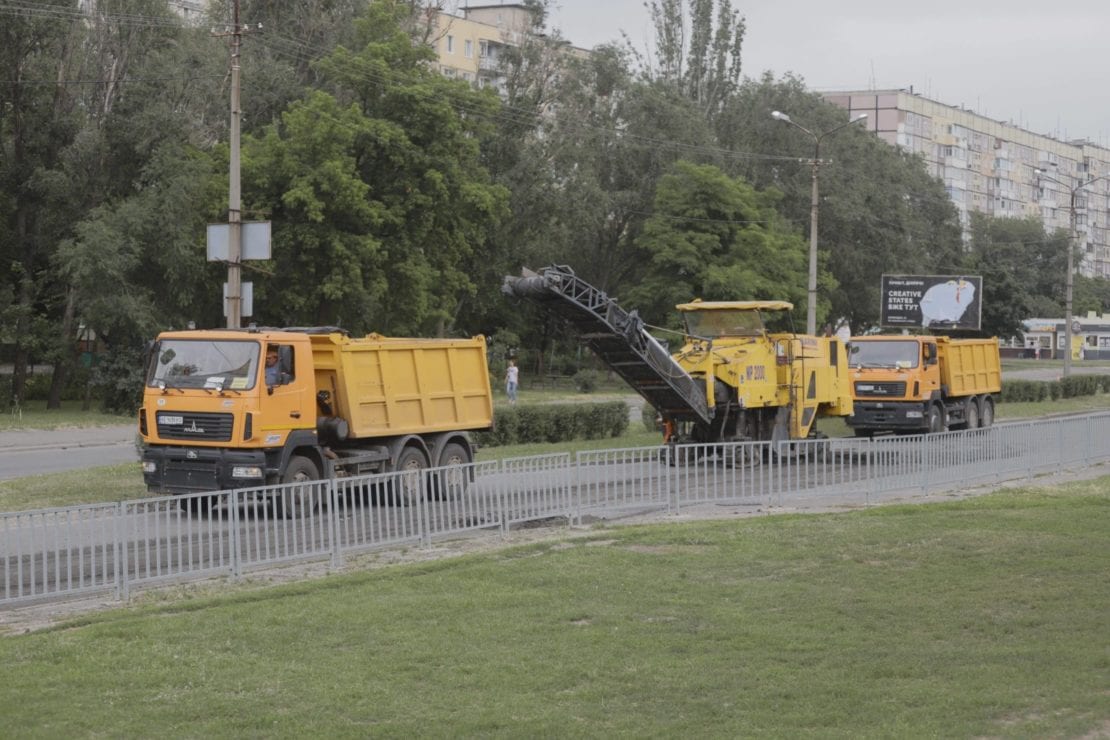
914	384
216	416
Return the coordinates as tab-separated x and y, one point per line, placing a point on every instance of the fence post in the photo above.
234	540
120	552
333	522
423	515
574	484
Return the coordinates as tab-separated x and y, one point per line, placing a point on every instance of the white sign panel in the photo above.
246	299
255	238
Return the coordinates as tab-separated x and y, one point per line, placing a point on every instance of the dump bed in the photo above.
394	386
970	366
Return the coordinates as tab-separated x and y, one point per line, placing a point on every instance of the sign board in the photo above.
246	299
255	241
932	302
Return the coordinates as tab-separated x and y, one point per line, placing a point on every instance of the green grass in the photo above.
91	486
35	415
982	618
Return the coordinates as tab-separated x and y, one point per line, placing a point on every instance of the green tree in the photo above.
1023	270
880	210
381	206
716	238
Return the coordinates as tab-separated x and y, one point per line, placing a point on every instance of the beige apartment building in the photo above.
991	167
469	46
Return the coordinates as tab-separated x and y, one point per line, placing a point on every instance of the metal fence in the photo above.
114	548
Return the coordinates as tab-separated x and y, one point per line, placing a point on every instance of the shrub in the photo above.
555	423
586	381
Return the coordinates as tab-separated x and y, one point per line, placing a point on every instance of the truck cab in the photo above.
213	417
911	384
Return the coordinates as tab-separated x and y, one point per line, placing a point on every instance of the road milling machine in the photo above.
732	380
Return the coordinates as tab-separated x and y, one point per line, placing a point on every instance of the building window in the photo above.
483	49
450	44
468	49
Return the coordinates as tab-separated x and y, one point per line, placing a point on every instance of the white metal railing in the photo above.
78	550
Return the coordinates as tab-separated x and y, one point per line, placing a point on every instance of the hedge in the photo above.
558	422
1018	391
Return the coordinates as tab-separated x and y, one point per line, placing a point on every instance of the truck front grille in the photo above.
880	390
195	426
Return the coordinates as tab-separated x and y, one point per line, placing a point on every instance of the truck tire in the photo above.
450	483
406	487
986	414
971	413
936	419
298	501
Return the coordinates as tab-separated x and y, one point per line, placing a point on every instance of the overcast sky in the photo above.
1044	66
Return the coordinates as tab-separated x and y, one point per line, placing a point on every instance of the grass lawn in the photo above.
980	618
35	415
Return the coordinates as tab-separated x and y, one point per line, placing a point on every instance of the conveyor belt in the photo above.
618	337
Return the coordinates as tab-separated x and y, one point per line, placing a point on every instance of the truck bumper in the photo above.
193	469
886	416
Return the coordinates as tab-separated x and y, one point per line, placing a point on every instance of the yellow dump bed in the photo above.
970	366
394	386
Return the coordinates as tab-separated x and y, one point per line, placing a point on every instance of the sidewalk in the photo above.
38	439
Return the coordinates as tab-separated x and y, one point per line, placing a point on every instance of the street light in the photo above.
1072	243
811	309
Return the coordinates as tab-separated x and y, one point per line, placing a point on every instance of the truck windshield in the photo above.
203	363
866	353
724	323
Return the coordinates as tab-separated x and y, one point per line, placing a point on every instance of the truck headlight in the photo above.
149	466
246	471
913	414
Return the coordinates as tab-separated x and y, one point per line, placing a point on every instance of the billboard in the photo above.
931	302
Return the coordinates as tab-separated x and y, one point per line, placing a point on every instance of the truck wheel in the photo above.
971	413
406	487
936	419
298	500
450	483
986	416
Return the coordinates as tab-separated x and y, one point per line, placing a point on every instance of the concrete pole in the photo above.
811	304
234	214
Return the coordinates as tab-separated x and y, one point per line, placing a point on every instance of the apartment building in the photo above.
991	167
469	46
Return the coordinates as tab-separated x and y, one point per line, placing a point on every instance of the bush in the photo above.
555	423
650	417
1073	386
1024	391
586	381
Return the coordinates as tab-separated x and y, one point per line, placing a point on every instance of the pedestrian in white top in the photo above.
512	377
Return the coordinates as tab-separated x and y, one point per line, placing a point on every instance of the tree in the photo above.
697	46
716	238
880	210
1023	270
383	205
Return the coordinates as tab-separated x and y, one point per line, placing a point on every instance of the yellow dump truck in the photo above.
237	408
732	380
912	384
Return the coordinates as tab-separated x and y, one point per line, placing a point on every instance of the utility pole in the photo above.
814	205
234	213
1073	244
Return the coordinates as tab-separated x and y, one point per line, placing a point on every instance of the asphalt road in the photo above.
34	452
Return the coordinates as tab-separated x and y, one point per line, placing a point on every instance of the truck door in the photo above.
930	369
288	393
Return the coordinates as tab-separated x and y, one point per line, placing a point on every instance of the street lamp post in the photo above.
1073	238
815	163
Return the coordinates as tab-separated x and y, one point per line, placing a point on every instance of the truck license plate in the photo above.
171	419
